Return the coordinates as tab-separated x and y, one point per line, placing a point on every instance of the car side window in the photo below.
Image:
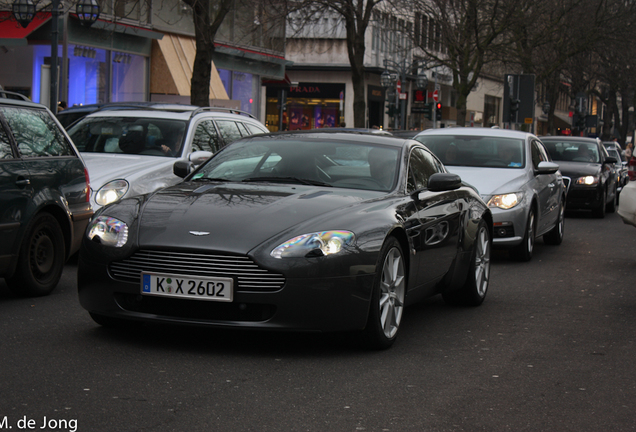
229	130
537	155
253	129
5	146
206	137
36	133
421	166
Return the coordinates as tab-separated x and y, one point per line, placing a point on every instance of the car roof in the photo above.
20	102
173	111
335	134
570	138
486	132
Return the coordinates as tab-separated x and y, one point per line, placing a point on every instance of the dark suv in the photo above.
44	197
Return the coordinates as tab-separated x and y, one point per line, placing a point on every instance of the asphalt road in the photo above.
551	349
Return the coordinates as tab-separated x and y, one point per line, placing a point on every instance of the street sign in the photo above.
403	96
436	95
399	86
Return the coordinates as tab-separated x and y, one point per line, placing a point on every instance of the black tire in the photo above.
41	259
555	235
475	288
387	299
611	207
599	211
523	252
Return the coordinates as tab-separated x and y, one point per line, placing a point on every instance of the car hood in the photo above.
234	217
578	169
491	181
102	168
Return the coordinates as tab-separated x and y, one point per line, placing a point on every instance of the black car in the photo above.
44	197
317	231
588	170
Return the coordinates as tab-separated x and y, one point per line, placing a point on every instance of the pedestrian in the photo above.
61	105
628	151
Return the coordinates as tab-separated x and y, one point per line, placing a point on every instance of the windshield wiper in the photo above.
217	179
287	180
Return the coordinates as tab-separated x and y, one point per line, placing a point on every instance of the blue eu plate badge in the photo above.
146	283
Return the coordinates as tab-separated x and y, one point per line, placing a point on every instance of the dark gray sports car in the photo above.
309	231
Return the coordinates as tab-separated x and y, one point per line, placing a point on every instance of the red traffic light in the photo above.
439	105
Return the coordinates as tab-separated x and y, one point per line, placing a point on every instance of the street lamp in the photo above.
389	80
24	11
87	11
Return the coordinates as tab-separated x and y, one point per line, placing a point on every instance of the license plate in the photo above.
212	289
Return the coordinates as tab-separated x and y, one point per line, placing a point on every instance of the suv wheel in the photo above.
41	258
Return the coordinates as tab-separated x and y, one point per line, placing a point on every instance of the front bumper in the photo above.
509	226
584	198
306	304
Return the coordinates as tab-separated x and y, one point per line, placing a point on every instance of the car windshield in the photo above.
317	162
476	151
574	151
131	135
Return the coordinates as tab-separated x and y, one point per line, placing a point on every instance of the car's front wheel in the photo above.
612	205
474	290
523	252
599	211
555	235
387	300
41	259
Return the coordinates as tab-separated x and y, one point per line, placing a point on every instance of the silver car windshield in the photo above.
476	151
130	135
324	163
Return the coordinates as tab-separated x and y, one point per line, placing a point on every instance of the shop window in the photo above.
128	77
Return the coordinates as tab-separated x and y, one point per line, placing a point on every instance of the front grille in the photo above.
248	276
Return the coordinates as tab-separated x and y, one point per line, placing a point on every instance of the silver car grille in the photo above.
248	276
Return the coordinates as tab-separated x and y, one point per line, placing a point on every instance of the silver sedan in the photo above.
514	174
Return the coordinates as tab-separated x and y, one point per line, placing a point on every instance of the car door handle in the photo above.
551	185
23	182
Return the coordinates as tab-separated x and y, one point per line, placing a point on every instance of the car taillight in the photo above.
88	186
631	166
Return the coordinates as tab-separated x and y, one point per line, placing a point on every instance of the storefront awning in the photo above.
13	34
125	28
172	62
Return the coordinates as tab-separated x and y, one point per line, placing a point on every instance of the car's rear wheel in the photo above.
523	252
475	288
41	259
387	300
555	235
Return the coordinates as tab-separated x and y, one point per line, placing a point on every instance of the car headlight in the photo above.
108	231
506	201
111	192
588	180
314	244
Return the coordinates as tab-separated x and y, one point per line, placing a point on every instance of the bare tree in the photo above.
207	16
464	36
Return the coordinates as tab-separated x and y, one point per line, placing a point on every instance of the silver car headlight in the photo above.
314	244
591	180
111	192
506	201
108	231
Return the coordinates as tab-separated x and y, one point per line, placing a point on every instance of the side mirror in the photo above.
440	182
181	169
547	168
610	159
